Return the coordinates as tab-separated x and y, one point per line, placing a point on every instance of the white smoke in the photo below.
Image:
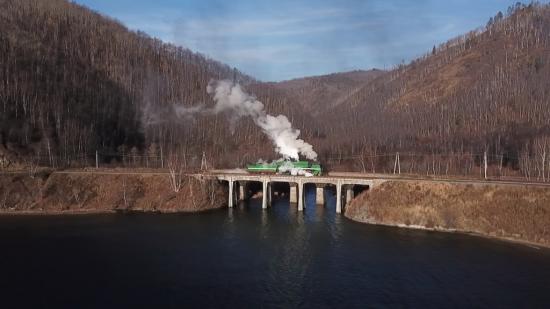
288	167
263	162
231	99
188	112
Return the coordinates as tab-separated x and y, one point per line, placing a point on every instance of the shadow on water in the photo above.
250	257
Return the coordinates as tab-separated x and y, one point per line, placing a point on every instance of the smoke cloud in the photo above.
231	99
287	167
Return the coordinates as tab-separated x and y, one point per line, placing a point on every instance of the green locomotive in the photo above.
294	168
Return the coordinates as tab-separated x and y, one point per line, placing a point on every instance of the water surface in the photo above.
249	258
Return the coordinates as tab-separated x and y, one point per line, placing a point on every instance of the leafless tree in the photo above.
542	148
176	170
73	82
32	167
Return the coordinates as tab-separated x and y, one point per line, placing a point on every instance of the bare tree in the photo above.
4	162
87	83
525	162
32	167
542	147
176	169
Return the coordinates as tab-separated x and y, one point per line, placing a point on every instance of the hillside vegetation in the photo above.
73	82
318	94
485	91
55	193
513	212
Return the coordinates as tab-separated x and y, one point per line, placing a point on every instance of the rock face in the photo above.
48	192
513	212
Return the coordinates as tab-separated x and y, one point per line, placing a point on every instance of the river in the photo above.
249	258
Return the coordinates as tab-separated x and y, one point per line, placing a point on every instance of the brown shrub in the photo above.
521	212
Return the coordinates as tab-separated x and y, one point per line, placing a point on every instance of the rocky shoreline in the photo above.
515	213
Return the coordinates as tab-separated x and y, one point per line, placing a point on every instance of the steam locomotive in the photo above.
295	168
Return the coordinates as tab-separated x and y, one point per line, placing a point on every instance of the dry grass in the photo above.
104	192
517	212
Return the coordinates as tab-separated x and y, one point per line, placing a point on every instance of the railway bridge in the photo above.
237	183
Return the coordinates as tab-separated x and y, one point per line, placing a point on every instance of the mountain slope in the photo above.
485	91
73	82
318	93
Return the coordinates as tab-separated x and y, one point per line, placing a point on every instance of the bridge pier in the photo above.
349	195
236	193
338	197
296	187
269	194
300	196
319	195
242	196
264	194
230	201
293	194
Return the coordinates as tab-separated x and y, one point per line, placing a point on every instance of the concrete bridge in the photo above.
238	182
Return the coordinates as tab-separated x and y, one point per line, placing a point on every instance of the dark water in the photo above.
249	258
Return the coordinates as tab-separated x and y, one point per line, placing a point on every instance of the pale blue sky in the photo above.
284	39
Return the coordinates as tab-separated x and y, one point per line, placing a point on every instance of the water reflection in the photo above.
289	265
264	223
229	219
247	257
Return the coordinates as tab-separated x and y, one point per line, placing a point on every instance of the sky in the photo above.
283	39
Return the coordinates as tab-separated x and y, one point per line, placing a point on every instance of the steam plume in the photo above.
231	99
287	167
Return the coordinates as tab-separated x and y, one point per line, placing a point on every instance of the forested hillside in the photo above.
317	94
73	82
485	91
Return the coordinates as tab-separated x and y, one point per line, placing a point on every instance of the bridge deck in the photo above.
300	181
340	180
335	180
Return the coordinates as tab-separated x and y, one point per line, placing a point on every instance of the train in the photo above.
304	168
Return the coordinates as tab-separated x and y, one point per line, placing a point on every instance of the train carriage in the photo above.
305	168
